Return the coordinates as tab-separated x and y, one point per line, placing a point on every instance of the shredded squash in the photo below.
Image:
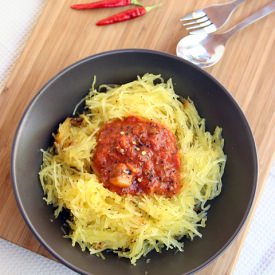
132	226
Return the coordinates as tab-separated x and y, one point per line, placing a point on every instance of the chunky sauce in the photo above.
135	156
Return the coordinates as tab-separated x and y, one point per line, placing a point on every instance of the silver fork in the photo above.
209	19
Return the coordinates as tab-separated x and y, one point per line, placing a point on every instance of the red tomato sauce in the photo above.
135	156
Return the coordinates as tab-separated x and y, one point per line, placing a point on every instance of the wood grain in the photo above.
63	36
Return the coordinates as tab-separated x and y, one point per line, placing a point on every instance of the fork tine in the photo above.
195	21
209	29
198	26
194	15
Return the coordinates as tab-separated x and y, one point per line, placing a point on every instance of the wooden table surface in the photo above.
62	36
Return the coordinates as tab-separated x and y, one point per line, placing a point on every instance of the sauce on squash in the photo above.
135	156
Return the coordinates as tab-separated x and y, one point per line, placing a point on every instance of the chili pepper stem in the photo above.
149	8
136	2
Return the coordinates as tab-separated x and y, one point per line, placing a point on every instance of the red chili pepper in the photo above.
105	4
125	15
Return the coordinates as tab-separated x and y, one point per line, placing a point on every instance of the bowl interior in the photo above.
57	100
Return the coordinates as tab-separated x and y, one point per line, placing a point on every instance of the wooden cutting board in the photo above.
63	36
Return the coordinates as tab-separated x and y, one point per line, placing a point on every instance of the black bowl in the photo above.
56	101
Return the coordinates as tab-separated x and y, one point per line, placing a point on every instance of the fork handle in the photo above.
237	2
231	5
266	10
225	10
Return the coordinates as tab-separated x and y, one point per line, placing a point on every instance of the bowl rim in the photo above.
43	89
